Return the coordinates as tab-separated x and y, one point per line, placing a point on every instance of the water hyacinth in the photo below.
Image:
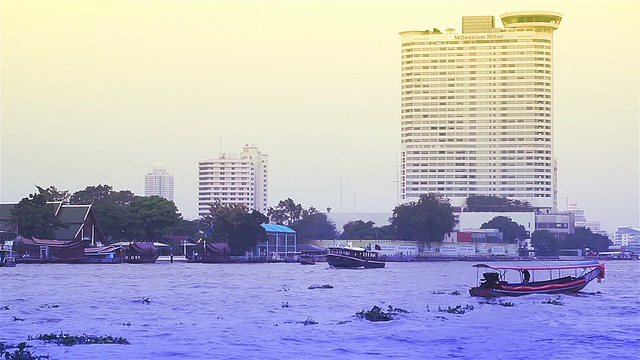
377	314
84	339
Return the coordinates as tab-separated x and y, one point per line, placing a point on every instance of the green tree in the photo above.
286	213
235	225
427	220
91	194
491	203
359	229
118	222
584	238
510	230
116	219
53	194
158	216
188	228
314	225
33	217
545	243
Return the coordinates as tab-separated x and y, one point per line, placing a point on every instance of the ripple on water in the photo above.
233	311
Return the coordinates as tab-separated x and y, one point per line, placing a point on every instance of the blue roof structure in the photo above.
274	228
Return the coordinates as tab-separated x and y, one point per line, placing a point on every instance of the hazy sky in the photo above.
96	92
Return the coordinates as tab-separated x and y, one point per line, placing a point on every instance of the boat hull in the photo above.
369	264
341	261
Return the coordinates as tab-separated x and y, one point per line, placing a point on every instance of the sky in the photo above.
95	92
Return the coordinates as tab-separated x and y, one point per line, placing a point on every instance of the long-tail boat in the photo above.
536	279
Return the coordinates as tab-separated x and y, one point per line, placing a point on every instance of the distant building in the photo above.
581	220
559	225
627	236
234	179
159	182
477	110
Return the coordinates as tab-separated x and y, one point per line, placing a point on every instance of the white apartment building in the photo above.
159	182
477	110
234	179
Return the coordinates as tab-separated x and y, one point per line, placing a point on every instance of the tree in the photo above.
490	203
53	194
235	225
545	243
91	194
358	229
118	222
286	213
584	238
33	217
158	215
309	224
510	230
427	220
188	228
314	225
113	212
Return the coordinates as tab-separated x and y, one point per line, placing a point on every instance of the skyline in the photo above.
315	85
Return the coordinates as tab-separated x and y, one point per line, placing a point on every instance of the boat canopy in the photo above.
578	265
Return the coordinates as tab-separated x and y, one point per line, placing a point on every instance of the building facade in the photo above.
234	179
581	220
477	110
159	182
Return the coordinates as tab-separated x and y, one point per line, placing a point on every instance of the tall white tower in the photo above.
159	182
477	110
234	179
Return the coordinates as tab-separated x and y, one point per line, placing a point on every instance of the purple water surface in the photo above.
256	311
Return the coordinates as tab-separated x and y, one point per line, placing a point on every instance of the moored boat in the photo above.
354	257
561	279
140	253
307	260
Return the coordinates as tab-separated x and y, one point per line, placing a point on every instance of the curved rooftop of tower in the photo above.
531	18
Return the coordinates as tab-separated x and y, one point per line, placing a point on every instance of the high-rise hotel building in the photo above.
234	179
159	182
477	110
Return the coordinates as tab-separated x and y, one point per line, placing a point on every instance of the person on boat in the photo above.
526	275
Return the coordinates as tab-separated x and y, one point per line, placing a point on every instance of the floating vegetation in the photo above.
555	301
146	300
49	306
325	286
456	310
502	303
15	318
128	323
309	321
84	339
377	314
20	354
455	292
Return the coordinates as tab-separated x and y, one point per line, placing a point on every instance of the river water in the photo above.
258	311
